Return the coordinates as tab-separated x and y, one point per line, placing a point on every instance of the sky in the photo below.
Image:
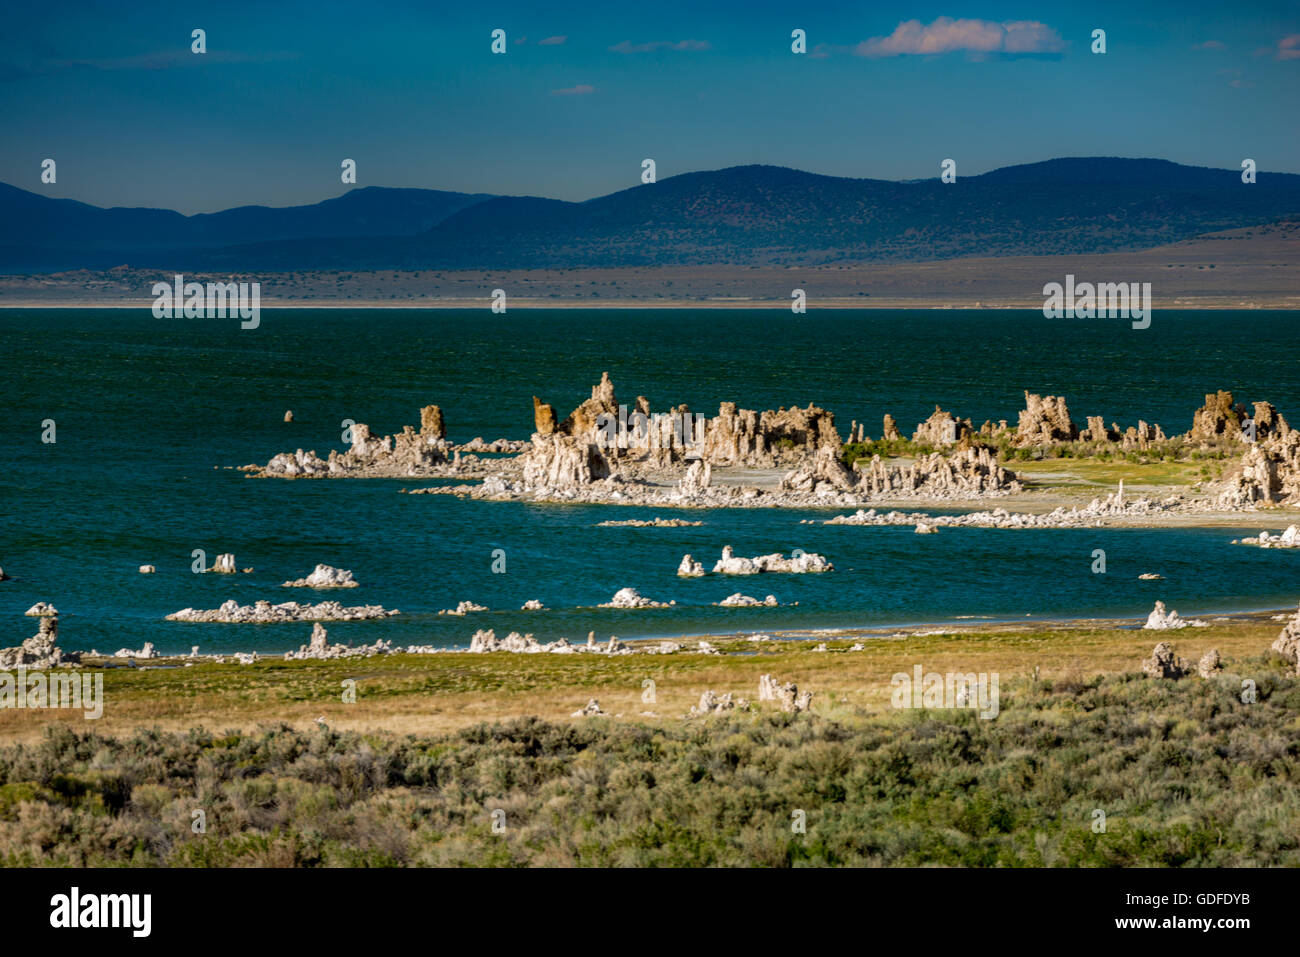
584	92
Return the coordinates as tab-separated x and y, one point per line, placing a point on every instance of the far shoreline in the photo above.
1197	304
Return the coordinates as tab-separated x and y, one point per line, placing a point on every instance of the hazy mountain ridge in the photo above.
752	215
46	234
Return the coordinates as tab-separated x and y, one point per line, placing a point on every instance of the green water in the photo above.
151	413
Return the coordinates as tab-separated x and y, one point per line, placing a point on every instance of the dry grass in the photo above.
440	693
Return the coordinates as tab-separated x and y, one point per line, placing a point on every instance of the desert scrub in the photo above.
1185	772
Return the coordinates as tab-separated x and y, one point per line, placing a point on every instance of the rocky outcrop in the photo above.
711	703
325	576
738	600
224	564
484	642
532	605
760	439
590	710
1219	417
889	431
147	652
942	428
651	523
1210	664
544	421
263	612
689	568
797	563
1269	473
320	649
1288	642
41	610
698	477
631	598
786	695
463	608
583	420
405	453
147	569
558	462
38	651
824	471
972	471
1161	620
431	423
1290	538
1163	663
1044	421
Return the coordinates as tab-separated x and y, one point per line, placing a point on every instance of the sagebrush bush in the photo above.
1185	773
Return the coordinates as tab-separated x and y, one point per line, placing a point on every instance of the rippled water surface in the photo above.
149	413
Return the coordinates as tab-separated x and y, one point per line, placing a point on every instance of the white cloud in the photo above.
946	35
627	46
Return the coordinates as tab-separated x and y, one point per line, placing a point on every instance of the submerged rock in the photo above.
325	576
745	601
265	612
690	568
651	523
797	563
1290	538
631	598
463	608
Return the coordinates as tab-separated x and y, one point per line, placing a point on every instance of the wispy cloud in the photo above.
946	35
1210	45
582	89
165	60
551	41
1288	48
692	46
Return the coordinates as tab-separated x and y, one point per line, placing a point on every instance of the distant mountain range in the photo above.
745	215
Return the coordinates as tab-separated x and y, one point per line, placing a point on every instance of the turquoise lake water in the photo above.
145	408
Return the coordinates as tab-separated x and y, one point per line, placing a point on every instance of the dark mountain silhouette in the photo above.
43	234
765	215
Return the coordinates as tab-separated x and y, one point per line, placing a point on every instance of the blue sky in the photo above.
412	92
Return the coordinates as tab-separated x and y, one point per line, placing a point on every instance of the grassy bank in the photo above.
1185	772
431	694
